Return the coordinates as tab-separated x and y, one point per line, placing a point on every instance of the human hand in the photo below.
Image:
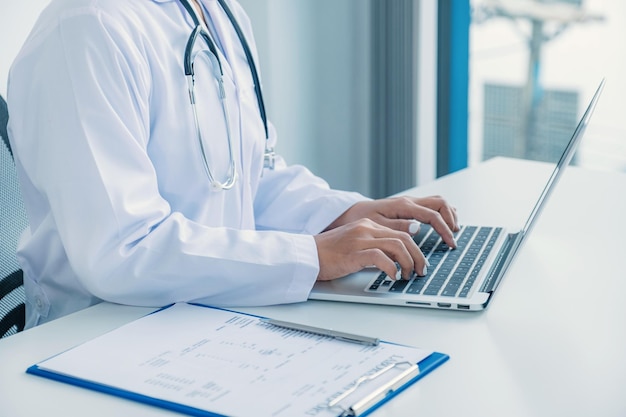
362	243
399	213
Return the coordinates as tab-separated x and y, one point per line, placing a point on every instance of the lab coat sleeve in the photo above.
292	198
81	122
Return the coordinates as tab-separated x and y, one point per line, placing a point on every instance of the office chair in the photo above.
12	222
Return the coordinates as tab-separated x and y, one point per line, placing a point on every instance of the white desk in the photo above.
552	343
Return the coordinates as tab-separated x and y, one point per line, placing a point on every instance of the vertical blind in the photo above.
393	105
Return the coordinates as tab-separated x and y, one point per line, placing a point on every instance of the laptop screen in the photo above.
564	160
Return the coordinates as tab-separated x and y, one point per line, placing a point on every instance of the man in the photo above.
133	198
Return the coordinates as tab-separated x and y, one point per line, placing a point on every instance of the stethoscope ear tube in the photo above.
188	64
188	48
246	49
251	64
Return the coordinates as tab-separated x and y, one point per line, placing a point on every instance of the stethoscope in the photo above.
269	157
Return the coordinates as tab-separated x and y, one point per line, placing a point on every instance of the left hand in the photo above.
399	212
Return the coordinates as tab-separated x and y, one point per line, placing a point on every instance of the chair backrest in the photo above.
12	222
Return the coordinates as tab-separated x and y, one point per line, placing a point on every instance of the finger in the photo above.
411	226
397	245
432	210
440	205
436	220
397	250
414	227
449	216
377	258
403	250
442	228
426	215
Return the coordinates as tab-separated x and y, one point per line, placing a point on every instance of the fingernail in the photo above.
398	275
425	271
414	226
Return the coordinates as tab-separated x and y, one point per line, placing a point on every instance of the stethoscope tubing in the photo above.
218	73
246	49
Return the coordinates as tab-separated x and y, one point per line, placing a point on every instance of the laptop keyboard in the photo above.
452	272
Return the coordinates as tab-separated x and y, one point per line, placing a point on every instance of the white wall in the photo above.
315	63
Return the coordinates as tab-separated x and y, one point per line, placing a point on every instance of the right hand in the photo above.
365	243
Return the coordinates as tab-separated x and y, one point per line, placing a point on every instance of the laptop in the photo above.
464	278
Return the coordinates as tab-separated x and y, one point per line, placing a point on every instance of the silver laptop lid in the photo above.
564	161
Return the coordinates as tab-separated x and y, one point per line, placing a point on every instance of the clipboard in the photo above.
258	366
367	403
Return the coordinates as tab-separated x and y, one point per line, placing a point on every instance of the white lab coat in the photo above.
119	204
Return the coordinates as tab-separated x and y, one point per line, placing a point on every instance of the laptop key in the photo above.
450	290
453	272
417	285
399	285
379	280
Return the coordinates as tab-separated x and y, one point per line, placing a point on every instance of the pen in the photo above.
347	337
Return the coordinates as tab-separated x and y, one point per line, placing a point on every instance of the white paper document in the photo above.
231	364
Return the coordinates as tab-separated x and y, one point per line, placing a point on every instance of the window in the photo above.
533	67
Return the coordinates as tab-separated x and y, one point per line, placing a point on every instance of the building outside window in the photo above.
534	65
